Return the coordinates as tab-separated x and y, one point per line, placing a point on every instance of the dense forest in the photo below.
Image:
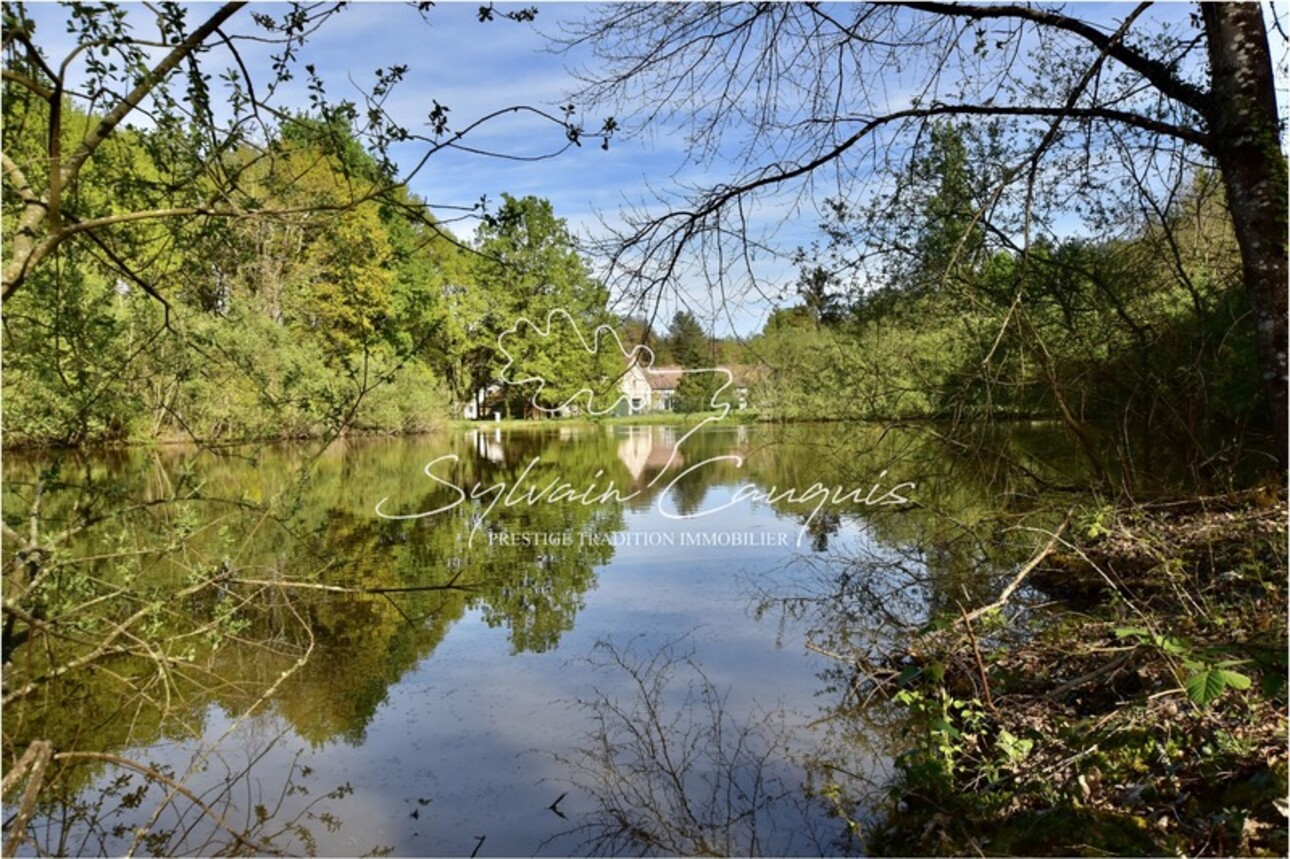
363	316
1049	295
376	317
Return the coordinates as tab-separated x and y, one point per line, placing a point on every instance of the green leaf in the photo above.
1206	686
908	674
1235	679
944	727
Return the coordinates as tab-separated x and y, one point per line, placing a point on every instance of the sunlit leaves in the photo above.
1208	685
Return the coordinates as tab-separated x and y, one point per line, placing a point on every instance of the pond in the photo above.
554	640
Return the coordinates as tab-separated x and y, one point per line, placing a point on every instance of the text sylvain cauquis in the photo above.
525	491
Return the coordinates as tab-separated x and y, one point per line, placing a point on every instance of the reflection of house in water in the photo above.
647	450
489	448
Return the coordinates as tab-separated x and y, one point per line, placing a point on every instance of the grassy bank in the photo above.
19	442
1143	714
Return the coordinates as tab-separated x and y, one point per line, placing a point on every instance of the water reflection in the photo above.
646	451
256	594
672	771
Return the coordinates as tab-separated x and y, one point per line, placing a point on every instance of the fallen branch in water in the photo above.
35	759
1025	571
342	589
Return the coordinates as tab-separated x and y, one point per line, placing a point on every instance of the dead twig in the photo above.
980	664
1025	571
34	760
1075	682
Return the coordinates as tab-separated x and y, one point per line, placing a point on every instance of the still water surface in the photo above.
455	719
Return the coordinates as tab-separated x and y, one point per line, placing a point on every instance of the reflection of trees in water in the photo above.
957	537
148	808
92	799
824	525
689	489
412	578
251	582
859	598
671	770
976	517
164	585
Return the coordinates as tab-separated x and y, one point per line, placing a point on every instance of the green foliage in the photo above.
343	315
948	185
863	371
1206	681
637	331
695	392
66	348
1149	331
527	267
687	342
818	287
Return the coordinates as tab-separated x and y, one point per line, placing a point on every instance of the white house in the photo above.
653	390
649	390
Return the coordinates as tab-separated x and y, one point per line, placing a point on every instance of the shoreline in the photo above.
745	417
1144	708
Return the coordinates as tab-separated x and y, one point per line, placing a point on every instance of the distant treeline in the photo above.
353	307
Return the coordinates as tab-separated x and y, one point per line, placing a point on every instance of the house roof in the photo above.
664	378
667	378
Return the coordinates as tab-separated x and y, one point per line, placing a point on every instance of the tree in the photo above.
687	342
637	330
817	286
695	391
271	326
196	156
948	236
533	286
1091	111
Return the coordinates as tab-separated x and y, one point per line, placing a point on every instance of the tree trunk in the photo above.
1245	130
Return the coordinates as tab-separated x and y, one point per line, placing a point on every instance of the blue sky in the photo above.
475	68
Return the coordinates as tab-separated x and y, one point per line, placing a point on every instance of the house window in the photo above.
636	404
